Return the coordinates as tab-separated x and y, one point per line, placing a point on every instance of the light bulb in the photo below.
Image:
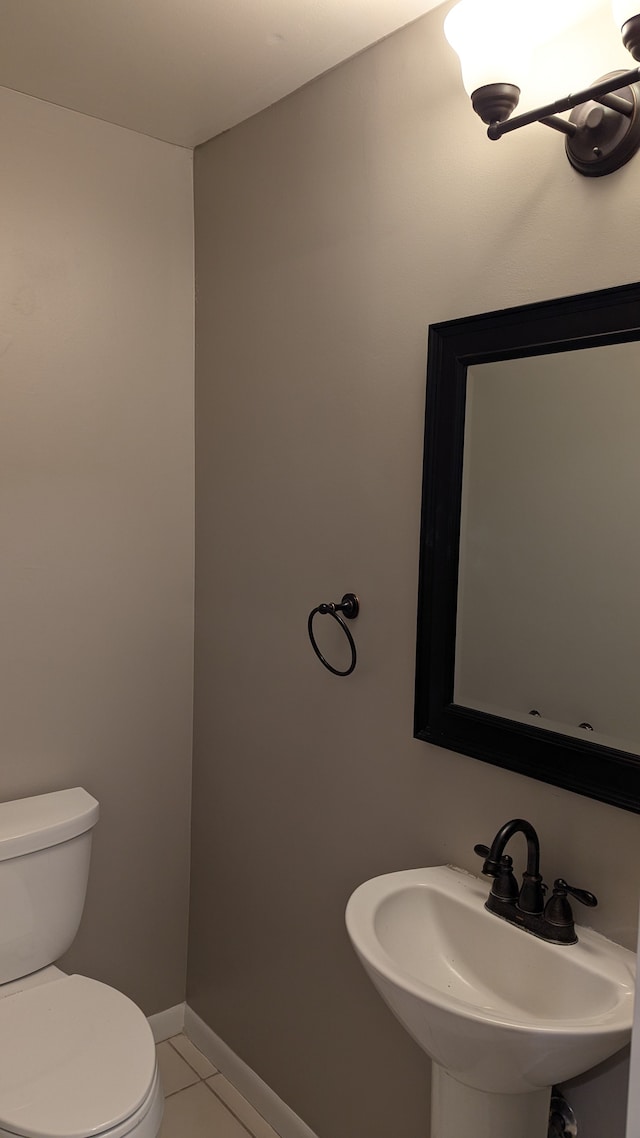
493	40
624	10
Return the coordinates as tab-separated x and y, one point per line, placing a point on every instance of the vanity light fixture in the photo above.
495	40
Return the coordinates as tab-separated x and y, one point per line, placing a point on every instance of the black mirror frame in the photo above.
611	316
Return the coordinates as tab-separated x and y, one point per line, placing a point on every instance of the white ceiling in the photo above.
183	70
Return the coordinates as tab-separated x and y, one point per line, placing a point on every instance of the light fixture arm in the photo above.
597	93
556	123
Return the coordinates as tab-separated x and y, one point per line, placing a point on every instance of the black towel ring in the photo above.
350	606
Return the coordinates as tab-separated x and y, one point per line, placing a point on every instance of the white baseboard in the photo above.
283	1120
167	1023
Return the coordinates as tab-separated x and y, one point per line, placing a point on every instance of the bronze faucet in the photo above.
524	906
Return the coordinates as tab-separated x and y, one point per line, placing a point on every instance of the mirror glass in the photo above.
528	636
548	620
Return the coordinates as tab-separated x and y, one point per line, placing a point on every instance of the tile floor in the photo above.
199	1101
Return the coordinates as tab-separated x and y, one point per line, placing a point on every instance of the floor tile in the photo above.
239	1105
194	1058
174	1072
197	1113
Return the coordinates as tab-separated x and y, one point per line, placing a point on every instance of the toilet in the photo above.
77	1058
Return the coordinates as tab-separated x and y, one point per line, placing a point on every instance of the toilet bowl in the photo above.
77	1058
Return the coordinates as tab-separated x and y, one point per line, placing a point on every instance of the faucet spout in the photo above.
505	833
531	898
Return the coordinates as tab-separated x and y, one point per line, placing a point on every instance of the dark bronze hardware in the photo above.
602	132
525	907
505	885
350	606
558	910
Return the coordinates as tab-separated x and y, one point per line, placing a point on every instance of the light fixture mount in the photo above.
606	136
604	130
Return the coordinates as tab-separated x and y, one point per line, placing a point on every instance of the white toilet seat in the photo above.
144	1124
77	1060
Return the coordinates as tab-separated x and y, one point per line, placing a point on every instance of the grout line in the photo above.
226	1104
203	1079
255	1109
184	1059
172	1094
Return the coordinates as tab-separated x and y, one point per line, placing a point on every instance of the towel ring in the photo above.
350	606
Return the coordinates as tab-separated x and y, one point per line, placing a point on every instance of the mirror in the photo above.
528	622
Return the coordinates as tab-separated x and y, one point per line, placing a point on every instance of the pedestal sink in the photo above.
502	1014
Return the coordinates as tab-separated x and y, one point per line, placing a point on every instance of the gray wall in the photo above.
96	516
330	231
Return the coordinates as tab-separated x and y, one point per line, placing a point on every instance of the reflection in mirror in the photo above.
548	618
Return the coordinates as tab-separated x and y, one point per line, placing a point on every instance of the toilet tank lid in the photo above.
30	824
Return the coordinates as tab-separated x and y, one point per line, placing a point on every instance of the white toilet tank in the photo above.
45	847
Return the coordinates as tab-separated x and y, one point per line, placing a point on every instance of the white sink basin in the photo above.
496	1007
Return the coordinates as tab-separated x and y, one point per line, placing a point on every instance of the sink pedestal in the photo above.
458	1111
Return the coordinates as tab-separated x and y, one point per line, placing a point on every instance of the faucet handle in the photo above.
558	910
505	861
560	888
492	867
505	886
